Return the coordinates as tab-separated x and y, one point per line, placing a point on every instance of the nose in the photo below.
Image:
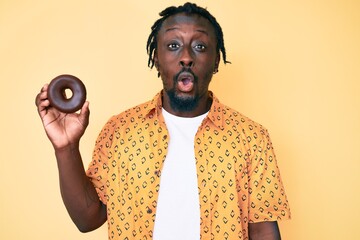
186	59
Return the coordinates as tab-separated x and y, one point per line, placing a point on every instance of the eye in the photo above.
173	46
200	47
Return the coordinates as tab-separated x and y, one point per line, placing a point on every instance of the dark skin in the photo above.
184	42
64	131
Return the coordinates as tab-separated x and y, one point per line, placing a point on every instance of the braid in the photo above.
189	8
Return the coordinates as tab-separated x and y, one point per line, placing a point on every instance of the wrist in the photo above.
70	148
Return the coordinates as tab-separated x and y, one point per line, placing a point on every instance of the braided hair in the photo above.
189	8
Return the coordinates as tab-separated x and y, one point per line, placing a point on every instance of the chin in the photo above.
182	102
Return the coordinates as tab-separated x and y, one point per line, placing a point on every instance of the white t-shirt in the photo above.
178	206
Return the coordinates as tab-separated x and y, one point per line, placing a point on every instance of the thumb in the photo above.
84	114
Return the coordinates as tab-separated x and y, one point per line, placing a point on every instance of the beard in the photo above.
182	103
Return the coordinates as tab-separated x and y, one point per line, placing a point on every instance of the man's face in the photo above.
186	58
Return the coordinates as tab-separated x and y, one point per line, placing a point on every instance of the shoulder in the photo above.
136	112
236	120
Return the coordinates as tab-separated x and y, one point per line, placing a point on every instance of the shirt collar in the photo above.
215	113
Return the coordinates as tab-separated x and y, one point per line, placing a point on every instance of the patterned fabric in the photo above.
238	177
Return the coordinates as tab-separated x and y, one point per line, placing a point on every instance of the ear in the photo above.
156	60
156	63
217	61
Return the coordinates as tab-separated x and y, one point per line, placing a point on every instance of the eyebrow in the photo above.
176	28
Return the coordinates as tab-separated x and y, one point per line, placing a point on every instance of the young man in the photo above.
181	166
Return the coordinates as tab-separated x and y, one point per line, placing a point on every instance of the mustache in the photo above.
185	70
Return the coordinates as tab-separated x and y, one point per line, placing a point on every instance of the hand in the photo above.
63	129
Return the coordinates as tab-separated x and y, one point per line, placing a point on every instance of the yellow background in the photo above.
295	69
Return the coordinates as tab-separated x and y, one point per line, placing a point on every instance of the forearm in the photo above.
264	231
78	193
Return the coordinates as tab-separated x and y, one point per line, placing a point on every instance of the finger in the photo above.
42	104
42	95
45	87
42	101
85	113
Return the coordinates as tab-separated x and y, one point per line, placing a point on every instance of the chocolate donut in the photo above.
57	96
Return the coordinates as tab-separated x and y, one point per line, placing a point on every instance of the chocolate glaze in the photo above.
57	97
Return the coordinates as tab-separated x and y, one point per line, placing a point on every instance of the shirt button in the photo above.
165	137
157	173
149	211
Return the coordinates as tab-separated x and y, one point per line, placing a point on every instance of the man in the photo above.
181	166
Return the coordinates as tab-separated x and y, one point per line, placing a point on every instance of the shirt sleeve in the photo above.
98	168
267	198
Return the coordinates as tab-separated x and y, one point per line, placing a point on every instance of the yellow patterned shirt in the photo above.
238	177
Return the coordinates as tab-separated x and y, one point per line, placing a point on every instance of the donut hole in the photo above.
68	93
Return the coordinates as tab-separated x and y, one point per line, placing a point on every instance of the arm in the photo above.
264	231
64	132
267	199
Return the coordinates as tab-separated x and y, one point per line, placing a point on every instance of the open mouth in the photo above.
185	82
